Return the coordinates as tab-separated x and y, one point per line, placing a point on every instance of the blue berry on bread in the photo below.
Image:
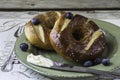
69	15
35	21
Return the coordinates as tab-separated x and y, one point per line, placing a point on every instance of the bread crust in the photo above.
89	43
38	35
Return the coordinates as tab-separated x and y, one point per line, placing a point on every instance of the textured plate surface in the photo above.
112	33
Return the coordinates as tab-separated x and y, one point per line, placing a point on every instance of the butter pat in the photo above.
39	60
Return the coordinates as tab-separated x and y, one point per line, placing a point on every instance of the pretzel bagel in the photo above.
38	34
77	39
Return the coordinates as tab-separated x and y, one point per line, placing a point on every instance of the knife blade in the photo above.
42	61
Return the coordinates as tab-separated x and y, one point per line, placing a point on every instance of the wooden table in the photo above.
26	9
59	4
91	8
108	9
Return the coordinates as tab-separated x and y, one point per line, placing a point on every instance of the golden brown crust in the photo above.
38	35
87	45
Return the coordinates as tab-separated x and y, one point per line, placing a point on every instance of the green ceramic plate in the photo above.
112	51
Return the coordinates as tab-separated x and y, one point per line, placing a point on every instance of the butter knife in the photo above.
42	61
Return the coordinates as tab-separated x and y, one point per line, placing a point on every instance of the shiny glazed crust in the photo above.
77	39
38	35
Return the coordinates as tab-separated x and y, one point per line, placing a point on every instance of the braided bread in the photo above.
77	39
74	37
38	34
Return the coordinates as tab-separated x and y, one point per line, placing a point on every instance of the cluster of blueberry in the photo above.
104	61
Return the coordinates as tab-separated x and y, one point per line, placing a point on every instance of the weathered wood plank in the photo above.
91	14
59	4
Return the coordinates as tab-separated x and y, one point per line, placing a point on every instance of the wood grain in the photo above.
91	14
59	4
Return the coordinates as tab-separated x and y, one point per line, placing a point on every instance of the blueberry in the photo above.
97	61
105	62
35	21
69	15
87	63
24	46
